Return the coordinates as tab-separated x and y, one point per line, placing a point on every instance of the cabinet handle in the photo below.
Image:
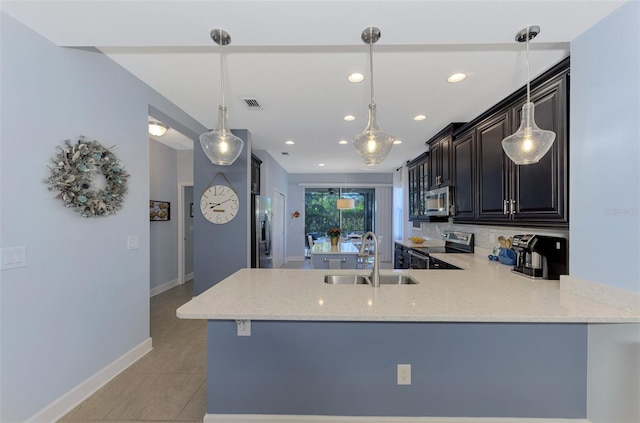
512	206
505	206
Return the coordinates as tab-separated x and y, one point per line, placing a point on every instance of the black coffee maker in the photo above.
540	257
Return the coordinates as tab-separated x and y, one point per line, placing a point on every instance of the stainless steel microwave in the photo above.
437	202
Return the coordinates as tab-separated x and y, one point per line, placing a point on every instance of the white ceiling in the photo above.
294	57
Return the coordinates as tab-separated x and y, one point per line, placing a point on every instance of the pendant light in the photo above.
529	143
220	145
345	203
373	144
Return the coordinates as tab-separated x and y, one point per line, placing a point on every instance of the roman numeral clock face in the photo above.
219	204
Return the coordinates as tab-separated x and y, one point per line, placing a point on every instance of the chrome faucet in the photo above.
375	273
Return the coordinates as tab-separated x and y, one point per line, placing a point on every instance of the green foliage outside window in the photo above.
321	213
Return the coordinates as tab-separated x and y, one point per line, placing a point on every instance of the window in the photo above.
321	212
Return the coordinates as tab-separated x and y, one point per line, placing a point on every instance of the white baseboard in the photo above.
58	408
188	276
164	287
261	418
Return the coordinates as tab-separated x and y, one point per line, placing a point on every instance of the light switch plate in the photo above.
133	242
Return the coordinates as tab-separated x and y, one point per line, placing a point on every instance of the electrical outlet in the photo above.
244	327
404	374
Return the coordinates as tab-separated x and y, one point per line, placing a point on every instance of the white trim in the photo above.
188	277
251	418
58	408
164	287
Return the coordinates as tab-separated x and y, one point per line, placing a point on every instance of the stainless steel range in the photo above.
456	242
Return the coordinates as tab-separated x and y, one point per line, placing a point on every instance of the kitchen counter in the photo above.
484	291
428	242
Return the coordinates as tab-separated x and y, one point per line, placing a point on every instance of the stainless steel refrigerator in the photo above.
261	232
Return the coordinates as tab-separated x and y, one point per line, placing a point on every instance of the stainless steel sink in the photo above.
364	280
346	280
397	280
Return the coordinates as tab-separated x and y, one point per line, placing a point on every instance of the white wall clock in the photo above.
219	204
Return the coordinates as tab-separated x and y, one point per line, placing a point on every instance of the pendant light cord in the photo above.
528	71
222	72
371	63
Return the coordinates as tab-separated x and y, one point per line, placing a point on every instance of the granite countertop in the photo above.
484	291
327	248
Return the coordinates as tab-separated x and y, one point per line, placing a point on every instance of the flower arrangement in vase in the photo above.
334	235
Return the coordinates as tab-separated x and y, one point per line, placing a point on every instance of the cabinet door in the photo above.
493	174
463	177
413	192
539	189
434	164
445	161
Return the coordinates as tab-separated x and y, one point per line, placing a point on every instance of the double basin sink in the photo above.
364	280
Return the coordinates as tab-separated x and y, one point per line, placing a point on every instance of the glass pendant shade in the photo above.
530	143
373	144
220	145
346	204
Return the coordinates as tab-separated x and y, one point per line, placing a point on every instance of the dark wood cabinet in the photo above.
539	190
464	168
418	185
505	193
255	174
440	157
492	177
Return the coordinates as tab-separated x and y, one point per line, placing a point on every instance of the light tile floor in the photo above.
169	383
166	385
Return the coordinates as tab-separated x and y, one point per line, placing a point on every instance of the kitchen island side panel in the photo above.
349	369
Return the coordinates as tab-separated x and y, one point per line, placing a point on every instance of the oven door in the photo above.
418	261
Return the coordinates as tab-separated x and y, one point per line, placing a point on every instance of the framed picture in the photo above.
159	210
191	210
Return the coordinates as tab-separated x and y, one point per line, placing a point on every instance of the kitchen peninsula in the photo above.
482	342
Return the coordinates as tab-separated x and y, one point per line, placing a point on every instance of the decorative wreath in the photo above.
73	172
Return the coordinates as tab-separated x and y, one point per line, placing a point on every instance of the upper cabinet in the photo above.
505	193
418	186
439	169
255	174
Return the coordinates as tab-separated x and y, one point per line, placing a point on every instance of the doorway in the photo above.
185	233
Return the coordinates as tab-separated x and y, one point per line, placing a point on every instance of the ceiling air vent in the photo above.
252	103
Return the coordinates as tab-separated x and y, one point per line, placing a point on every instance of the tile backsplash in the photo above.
485	236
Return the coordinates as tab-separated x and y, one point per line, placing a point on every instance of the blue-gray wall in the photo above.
220	250
349	369
82	301
605	150
605	199
163	235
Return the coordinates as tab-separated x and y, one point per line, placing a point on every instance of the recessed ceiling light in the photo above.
397	141
320	164
349	118
290	142
343	142
356	77
420	117
457	77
